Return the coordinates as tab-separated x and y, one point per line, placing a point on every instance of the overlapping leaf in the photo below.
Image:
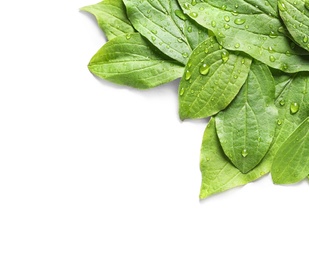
163	24
130	60
111	16
246	128
253	27
291	162
213	77
295	15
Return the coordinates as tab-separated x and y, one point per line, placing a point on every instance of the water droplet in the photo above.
288	53
273	34
237	45
226	26
186	6
244	153
281	6
193	14
180	15
226	18
153	38
128	36
193	2
243	61
272	58
279	122
204	69
284	66
294	108
223	7
207	159
185	55
225	56
239	21
187	75
206	50
182	91
270	49
189	29
246	26
180	40
282	102
305	39
281	29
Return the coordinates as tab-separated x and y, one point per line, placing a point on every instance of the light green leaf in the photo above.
295	15
111	16
247	126
131	60
251	26
213	77
293	107
218	174
162	23
291	162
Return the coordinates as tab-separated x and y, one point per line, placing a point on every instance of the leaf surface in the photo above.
218	173
251	26
131	60
247	126
111	16
295	15
163	24
291	162
213	77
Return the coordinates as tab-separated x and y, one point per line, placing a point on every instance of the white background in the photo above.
91	170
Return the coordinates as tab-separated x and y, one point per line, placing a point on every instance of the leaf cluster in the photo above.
244	64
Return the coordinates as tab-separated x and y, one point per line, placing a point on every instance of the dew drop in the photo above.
186	6
189	29
223	7
193	14
187	75
226	26
128	36
279	122
281	29
237	45
305	39
294	108
153	38
180	15
273	34
239	21
282	102
226	18
244	153
193	2
185	55
182	91
204	69
272	58
284	66
213	24
225	56
281	6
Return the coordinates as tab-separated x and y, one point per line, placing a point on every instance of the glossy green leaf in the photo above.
293	107
291	162
213	77
247	126
163	24
218	173
253	27
131	60
295	15
111	16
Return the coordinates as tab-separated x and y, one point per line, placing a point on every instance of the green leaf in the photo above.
162	23
253	27
293	107
213	77
246	128
291	162
218	174
131	60
295	15
111	16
